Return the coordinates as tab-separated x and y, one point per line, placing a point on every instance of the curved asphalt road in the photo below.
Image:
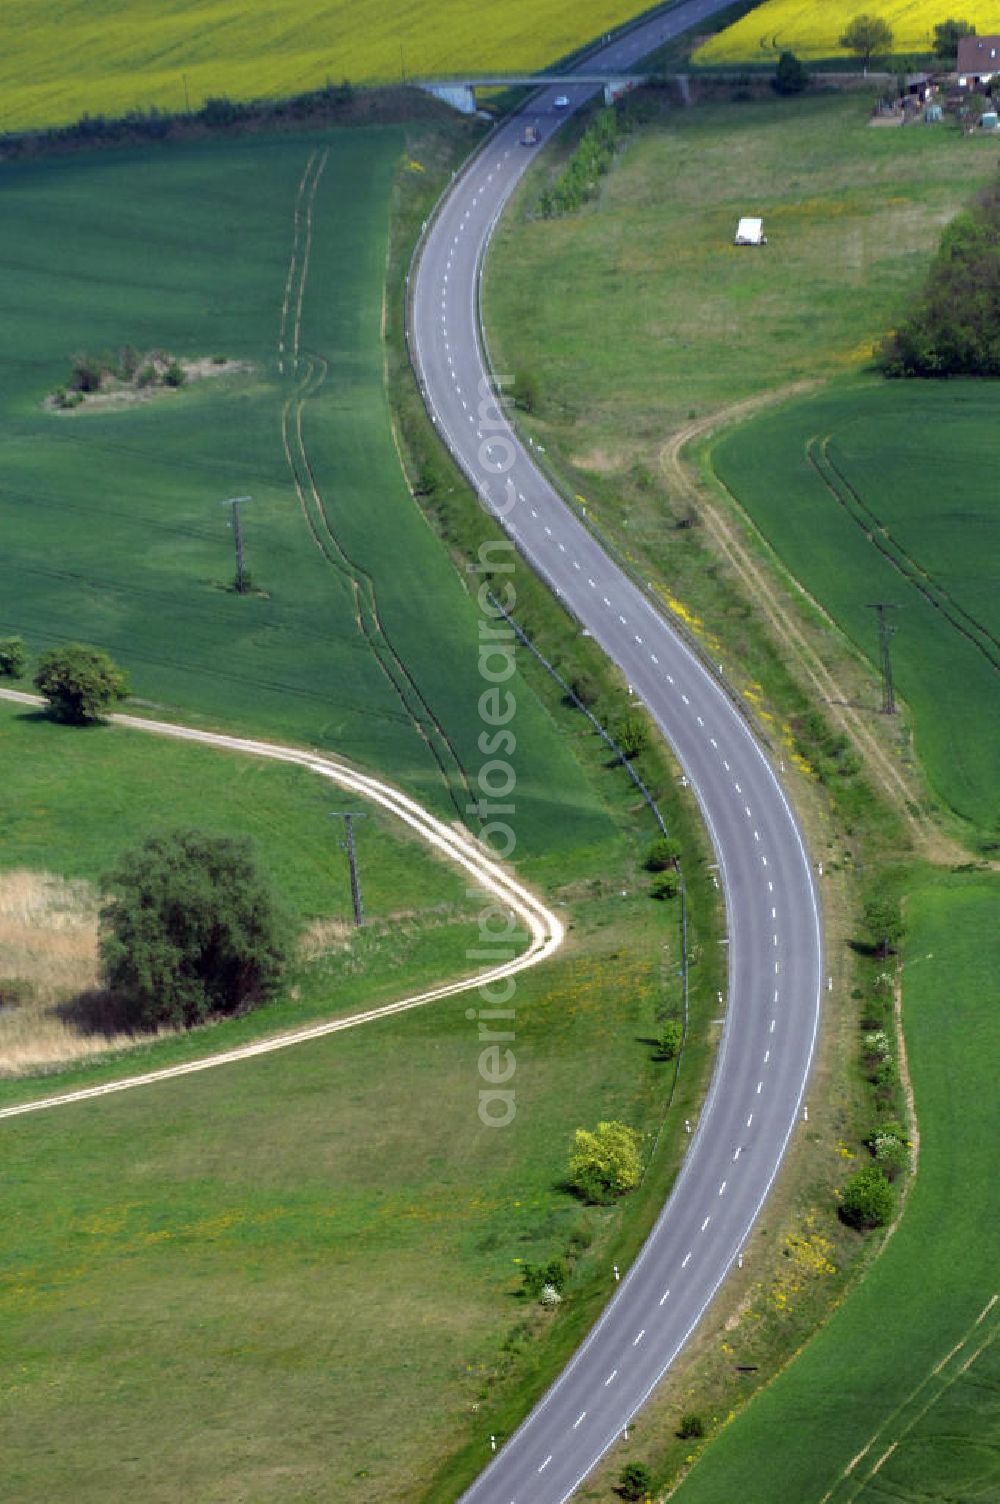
775	943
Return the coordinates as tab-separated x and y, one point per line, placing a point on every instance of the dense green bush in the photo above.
632	735
535	1277
586	689
791	76
955	328
867	1200
692	1426
663	853
604	1164
884	922
13	657
891	1156
671	1039
634	1481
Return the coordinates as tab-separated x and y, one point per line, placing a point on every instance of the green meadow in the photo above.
879	494
294	1278
358	635
75	798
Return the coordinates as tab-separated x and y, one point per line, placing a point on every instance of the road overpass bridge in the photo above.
460	92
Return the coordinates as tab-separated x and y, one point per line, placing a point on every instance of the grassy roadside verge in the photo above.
698	323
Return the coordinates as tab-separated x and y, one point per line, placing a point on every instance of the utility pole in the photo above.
349	816
241	578
885	631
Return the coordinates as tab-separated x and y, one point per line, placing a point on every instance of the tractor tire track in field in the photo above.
786	631
311	371
981	1335
857	509
457	846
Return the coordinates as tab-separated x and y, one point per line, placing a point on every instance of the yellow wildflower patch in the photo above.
807	1258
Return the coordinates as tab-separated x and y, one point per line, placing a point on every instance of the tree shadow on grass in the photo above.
98	1012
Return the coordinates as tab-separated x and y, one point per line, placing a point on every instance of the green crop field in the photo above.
359	634
60	59
907	1371
876	494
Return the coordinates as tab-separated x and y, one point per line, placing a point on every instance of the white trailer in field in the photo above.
750	232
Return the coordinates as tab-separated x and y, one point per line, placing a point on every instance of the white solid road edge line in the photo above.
546	929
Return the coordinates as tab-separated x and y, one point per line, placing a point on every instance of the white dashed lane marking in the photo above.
581	1417
611	1377
638	1337
685	1260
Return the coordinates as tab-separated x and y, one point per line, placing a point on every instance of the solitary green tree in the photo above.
191	929
604	1164
867	37
948	34
884	921
81	683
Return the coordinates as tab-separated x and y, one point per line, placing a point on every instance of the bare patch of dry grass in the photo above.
52	1009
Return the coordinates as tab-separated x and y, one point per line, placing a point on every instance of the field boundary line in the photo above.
544	927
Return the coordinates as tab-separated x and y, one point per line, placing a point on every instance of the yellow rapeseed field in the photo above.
811	28
60	58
